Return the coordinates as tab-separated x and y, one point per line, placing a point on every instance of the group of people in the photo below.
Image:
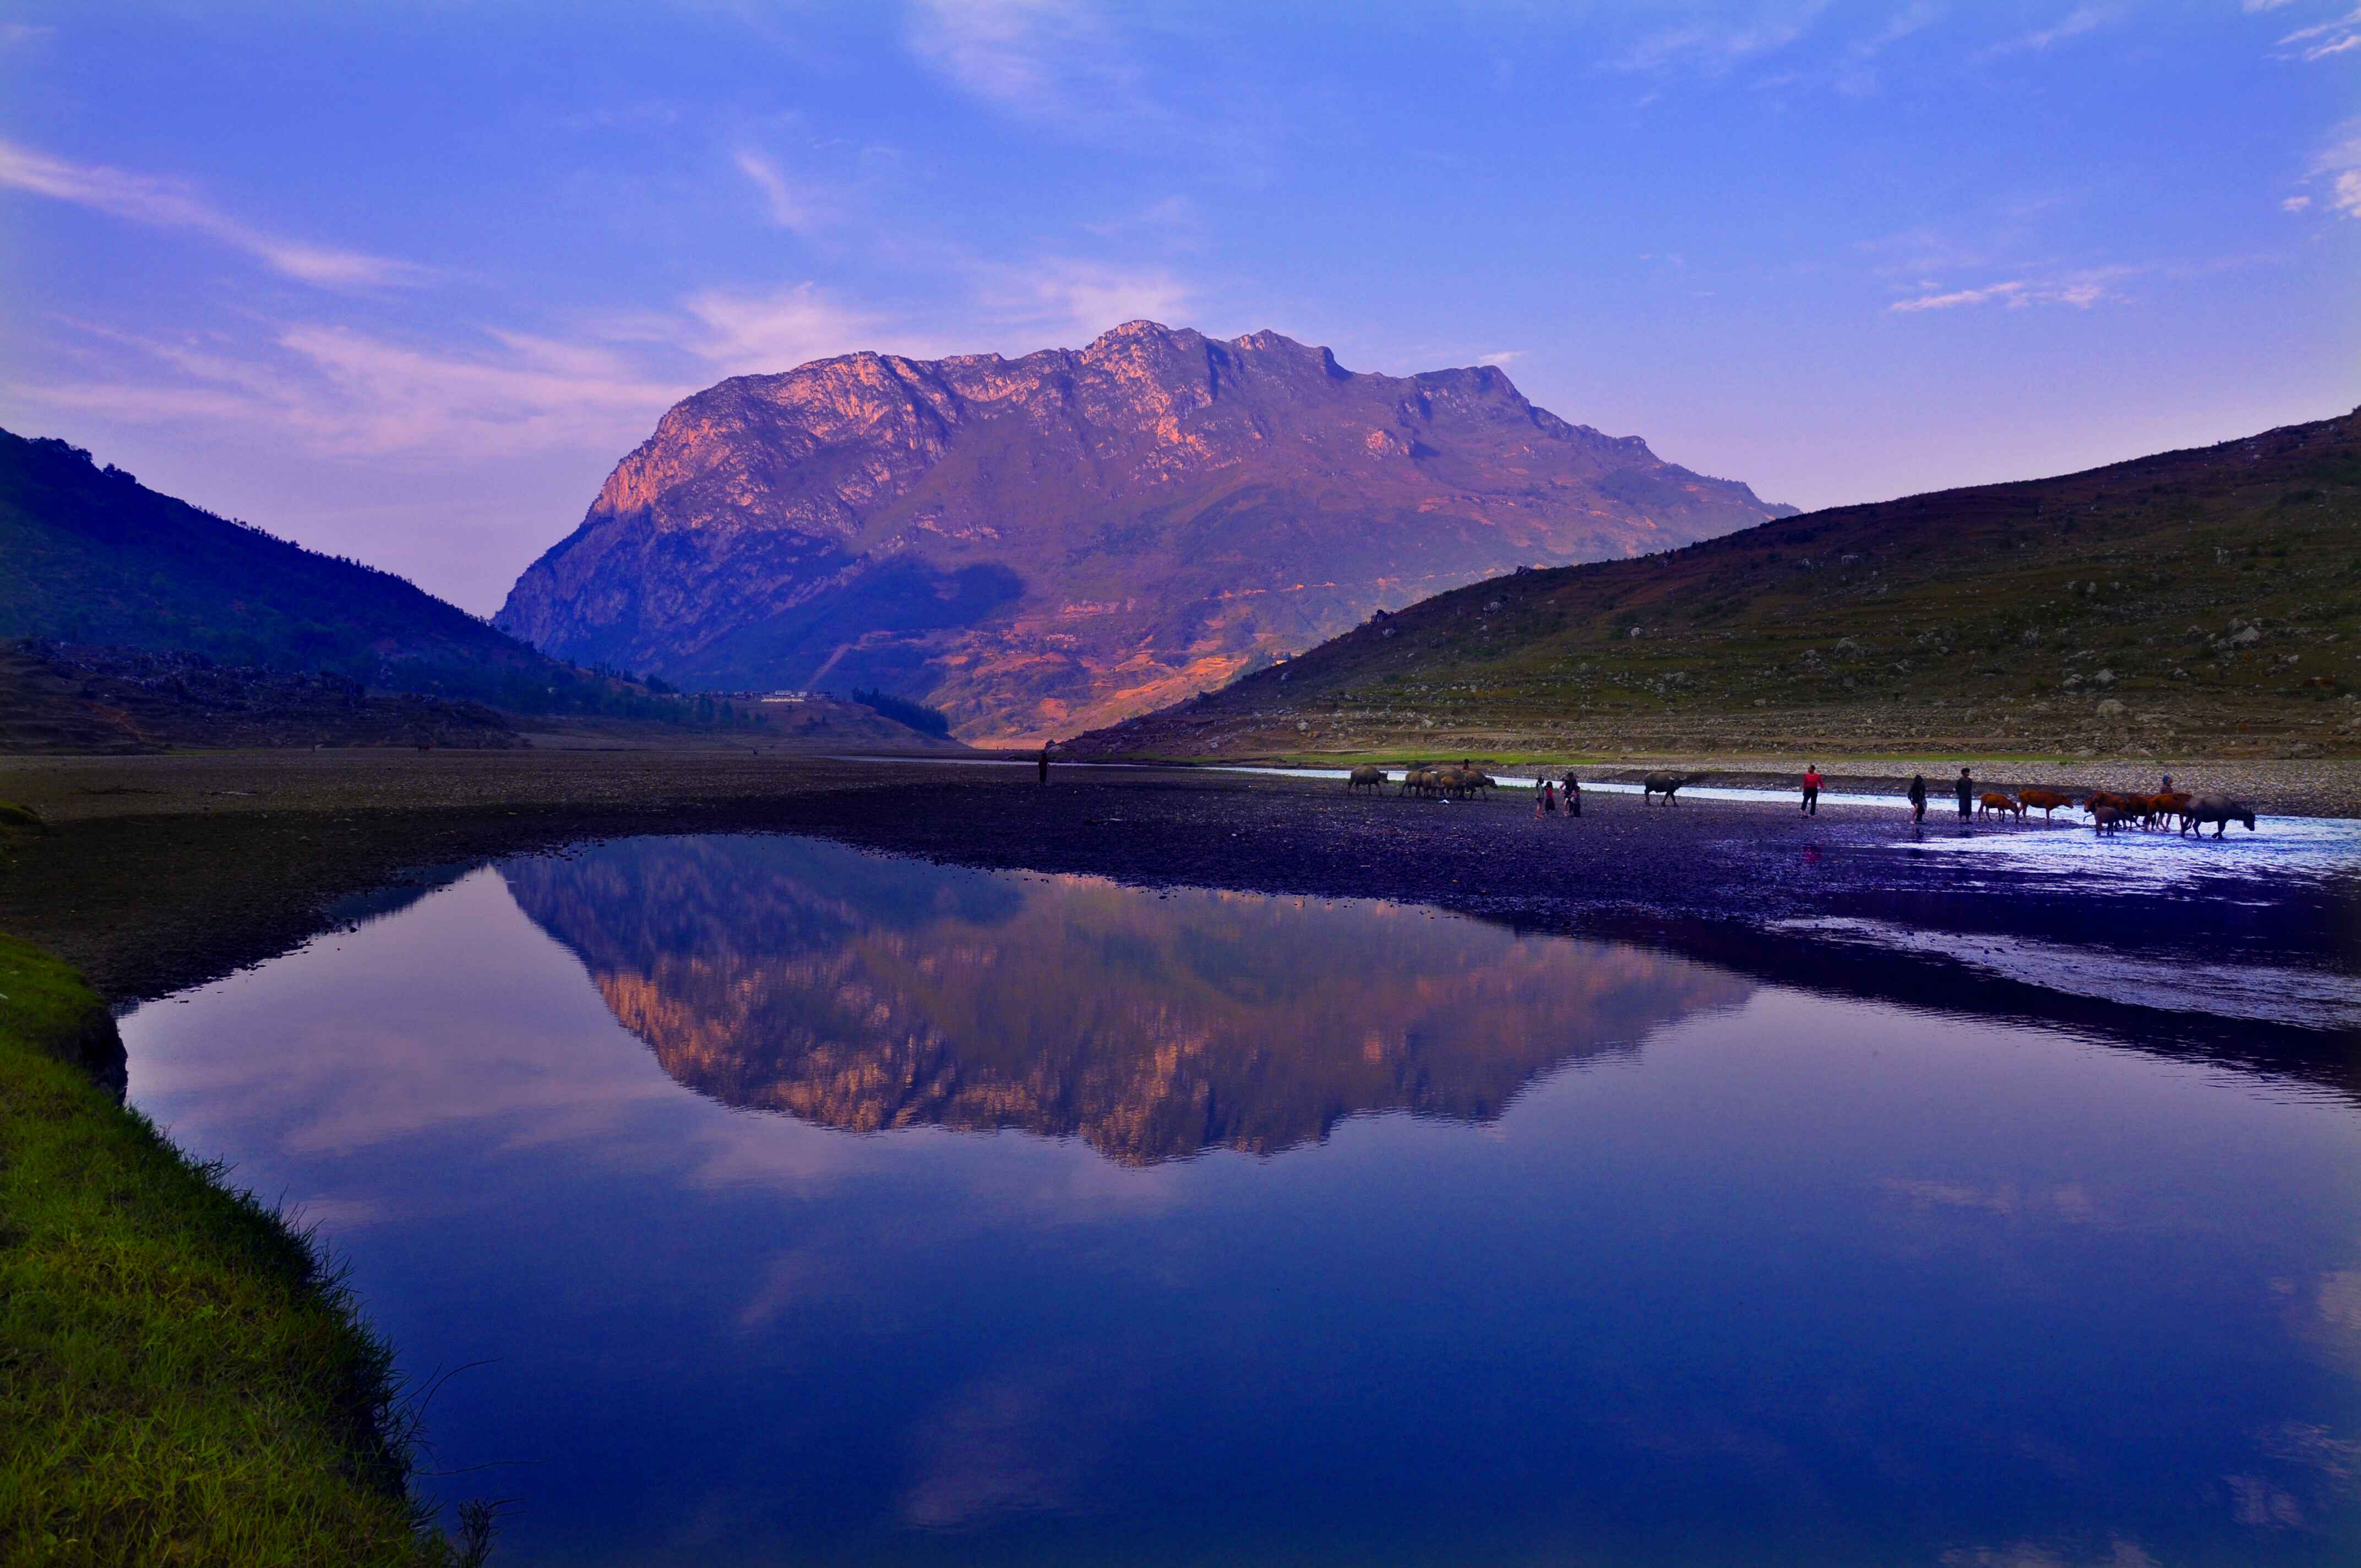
1547	799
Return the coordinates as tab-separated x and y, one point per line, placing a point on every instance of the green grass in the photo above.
2172	605
183	1378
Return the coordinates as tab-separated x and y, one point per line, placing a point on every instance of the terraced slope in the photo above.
2198	602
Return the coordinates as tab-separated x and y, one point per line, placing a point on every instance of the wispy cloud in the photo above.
787	206
163	203
2073	25
1056	63
1500	357
1715	47
743	334
14	33
2079	289
336	390
2323	39
2341	166
1071	301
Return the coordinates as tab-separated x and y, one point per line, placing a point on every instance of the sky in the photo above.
404	281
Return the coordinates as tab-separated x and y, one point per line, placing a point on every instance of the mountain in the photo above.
1038	544
97	557
2203	602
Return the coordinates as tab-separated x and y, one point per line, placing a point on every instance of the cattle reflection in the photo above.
866	992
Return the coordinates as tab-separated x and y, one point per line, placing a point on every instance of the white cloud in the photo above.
747	334
1051	61
2253	6
2073	25
786	204
1500	357
2323	39
2295	203
335	390
167	204
1715	47
1073	301
2079	289
15	33
2340	163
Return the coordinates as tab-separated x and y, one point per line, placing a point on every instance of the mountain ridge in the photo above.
2202	599
1034	543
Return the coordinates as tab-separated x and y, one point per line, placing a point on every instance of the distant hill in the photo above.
2197	602
1038	544
95	559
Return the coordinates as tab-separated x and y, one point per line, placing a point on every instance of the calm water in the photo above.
802	1205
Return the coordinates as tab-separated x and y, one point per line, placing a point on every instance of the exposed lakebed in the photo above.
804	1203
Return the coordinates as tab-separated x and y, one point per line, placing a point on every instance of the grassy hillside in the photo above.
89	555
2197	602
183	1379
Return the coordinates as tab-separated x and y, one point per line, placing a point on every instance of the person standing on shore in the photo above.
1044	761
1546	800
1811	806
1573	799
1966	789
1917	799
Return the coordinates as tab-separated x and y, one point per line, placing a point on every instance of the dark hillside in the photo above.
97	557
91	557
2198	601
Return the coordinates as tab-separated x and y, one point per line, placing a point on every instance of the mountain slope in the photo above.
93	557
2198	601
1038	543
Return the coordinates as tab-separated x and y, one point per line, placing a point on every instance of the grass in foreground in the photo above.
182	1378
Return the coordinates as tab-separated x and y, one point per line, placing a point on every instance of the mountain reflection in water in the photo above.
861	993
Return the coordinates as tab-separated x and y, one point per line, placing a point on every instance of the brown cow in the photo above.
2045	801
1995	800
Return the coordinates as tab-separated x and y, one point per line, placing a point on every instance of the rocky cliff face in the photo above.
1042	544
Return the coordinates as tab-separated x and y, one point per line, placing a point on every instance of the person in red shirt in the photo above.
1811	806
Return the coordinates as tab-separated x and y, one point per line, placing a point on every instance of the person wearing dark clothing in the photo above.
1546	800
1966	790
1811	806
1045	764
1573	797
1917	798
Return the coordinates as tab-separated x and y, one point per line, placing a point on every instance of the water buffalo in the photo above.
1366	777
1669	785
2218	809
1995	800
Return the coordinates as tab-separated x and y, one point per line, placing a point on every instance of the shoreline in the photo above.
189	1378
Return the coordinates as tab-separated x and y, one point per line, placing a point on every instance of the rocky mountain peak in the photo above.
1038	543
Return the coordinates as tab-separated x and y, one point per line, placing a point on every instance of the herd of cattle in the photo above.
1433	783
2109	810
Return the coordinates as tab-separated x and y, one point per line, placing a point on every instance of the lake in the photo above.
770	1201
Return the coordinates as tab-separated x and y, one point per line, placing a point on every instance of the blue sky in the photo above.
404	281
